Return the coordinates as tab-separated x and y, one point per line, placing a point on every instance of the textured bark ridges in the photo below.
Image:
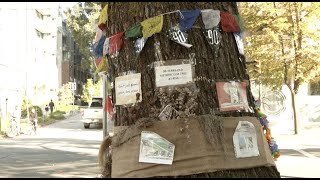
209	69
226	67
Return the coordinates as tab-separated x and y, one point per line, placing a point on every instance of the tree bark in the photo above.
228	66
294	111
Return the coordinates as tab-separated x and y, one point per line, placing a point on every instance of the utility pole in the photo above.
105	96
6	107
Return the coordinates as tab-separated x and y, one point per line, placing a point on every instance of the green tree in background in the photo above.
81	20
283	37
97	88
65	98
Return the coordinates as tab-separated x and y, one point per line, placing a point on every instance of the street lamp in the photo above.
105	96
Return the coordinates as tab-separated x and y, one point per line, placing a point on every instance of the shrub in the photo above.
37	108
57	115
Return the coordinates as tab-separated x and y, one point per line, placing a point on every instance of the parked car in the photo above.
93	114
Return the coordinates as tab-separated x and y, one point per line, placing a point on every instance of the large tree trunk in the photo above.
228	66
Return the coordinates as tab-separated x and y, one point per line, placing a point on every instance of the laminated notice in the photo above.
173	75
245	140
155	149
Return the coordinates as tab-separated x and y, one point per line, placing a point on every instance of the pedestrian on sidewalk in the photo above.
51	104
46	109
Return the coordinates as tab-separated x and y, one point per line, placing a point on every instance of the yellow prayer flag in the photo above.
103	65
151	26
104	15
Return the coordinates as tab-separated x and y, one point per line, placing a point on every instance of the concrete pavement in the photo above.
300	154
60	150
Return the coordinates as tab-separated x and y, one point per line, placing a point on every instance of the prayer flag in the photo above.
229	23
187	19
134	32
115	43
152	26
210	18
103	18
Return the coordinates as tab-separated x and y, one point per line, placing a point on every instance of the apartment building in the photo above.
70	70
37	53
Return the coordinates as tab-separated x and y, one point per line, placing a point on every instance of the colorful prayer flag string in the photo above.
265	125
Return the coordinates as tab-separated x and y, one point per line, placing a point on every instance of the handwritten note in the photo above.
127	87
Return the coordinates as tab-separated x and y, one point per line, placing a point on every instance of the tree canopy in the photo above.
283	37
96	88
81	21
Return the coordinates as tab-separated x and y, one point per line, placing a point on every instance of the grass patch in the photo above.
42	121
5	122
52	118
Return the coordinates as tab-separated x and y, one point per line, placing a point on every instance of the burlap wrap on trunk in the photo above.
193	156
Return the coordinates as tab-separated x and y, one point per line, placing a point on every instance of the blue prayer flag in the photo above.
188	18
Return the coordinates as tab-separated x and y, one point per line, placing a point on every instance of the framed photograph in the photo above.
232	96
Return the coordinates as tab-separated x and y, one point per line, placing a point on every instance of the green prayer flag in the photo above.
240	22
134	32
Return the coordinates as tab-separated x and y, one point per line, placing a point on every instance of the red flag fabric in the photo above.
98	61
115	42
228	22
108	106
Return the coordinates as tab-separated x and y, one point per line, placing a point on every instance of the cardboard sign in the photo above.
127	87
173	75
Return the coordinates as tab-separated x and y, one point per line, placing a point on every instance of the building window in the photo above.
64	40
314	88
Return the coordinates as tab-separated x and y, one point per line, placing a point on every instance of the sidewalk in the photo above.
307	138
299	154
70	115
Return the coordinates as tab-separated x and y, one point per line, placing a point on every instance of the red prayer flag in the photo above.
108	106
228	22
115	42
102	26
98	61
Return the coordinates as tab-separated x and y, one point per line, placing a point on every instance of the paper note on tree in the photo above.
127	87
155	149
245	140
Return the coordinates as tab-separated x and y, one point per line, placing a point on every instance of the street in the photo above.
63	149
66	150
300	154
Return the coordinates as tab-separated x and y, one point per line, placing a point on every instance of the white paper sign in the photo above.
167	113
245	140
155	149
126	88
173	75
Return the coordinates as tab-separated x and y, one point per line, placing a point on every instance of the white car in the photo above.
93	114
